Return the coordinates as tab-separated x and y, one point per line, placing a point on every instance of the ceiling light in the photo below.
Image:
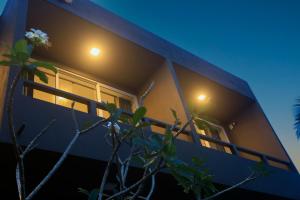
202	97
95	51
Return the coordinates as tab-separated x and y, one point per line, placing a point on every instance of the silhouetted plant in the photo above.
297	118
153	153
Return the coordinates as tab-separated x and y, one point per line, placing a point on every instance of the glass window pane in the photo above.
83	91
37	94
107	98
78	86
125	104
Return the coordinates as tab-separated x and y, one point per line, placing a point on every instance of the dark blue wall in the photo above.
226	168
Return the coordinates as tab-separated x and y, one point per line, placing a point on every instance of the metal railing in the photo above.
234	149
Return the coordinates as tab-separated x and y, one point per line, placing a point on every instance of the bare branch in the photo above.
140	187
61	159
135	184
152	187
249	178
182	128
18	181
145	94
32	143
20	167
93	125
106	172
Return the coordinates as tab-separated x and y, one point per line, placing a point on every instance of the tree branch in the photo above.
135	184
152	187
63	156
249	178
30	146
145	94
107	169
20	178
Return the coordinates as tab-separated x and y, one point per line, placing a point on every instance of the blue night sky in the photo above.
256	40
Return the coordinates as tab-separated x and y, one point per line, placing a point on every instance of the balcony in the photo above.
128	69
235	150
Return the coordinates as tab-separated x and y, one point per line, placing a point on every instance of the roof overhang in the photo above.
99	16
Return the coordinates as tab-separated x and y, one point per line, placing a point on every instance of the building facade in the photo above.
129	60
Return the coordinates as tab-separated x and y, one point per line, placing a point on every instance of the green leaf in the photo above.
260	169
138	115
197	162
156	141
144	124
83	191
114	112
5	63
110	107
94	194
169	148
42	76
45	65
174	113
139	141
20	52
21	46
22	57
138	160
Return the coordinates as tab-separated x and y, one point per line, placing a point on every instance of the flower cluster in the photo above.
116	127
37	37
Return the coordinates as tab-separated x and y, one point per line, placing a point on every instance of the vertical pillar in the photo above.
194	135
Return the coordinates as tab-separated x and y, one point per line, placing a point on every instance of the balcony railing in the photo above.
234	149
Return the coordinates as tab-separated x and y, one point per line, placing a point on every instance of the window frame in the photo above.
221	132
98	85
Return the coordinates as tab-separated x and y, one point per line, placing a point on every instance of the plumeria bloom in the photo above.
108	124
116	127
37	37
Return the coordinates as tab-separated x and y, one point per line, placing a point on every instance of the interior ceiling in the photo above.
223	104
121	62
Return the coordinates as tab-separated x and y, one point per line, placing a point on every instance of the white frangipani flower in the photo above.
108	124
117	128
29	35
37	37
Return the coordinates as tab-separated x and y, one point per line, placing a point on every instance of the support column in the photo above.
188	114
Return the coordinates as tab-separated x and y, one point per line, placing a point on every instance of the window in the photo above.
75	84
218	133
120	99
37	94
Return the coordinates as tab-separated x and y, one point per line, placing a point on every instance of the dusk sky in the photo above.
257	40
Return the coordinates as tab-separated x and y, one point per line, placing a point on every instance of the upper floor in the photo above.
126	60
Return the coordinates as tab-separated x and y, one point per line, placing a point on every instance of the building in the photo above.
129	59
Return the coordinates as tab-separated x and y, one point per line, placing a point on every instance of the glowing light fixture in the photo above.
202	97
95	51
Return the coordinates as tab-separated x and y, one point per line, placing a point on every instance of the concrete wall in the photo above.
162	98
253	131
226	169
3	84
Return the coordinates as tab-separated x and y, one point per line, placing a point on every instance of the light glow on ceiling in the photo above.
202	97
95	51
